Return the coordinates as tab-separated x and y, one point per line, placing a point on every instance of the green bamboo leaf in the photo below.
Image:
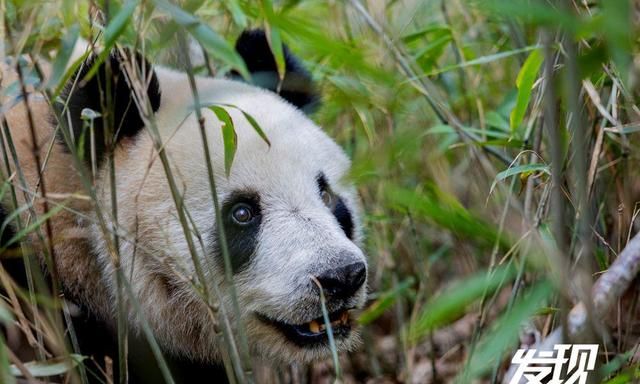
212	42
70	72
484	60
252	121
520	169
51	367
239	18
425	31
256	126
444	210
614	365
496	120
12	216
529	168
273	37
116	27
524	83
118	24
450	305
625	376
275	43
31	227
504	334
534	12
447	129
434	49
229	137
385	301
64	55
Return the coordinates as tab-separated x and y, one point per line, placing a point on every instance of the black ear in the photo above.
296	87
109	93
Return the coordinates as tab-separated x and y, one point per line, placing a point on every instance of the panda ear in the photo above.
296	87
82	93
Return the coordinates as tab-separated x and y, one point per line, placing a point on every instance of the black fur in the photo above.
343	215
297	86
340	210
323	184
125	120
242	240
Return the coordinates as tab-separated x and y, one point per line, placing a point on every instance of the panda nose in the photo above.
342	282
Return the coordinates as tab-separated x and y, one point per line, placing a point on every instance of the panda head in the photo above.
290	215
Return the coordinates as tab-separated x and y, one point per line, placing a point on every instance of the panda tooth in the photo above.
314	327
344	318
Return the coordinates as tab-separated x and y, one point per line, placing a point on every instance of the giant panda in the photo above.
291	216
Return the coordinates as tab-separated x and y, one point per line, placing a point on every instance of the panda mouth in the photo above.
313	332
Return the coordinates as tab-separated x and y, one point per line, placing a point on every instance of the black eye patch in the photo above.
340	210
242	237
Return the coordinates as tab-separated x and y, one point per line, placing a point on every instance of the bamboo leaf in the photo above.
445	211
453	303
385	301
275	43
524	83
505	330
118	24
229	137
51	367
256	126
520	169
64	55
115	29
239	18
273	38
213	43
484	59
41	219
252	121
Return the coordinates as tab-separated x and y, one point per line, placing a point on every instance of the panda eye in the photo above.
327	199
242	213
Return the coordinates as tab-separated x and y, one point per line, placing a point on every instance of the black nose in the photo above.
344	281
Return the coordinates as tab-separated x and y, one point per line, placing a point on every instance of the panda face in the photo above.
291	217
289	213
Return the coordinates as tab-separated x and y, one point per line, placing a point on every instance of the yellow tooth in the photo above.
345	317
314	327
